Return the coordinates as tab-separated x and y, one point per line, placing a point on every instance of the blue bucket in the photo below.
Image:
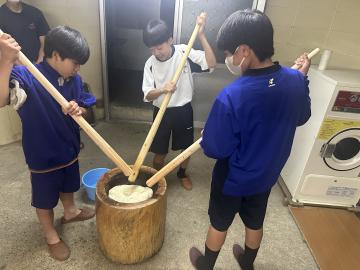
89	180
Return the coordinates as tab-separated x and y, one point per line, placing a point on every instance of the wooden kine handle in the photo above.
174	163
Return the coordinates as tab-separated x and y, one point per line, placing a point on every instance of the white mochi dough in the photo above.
130	193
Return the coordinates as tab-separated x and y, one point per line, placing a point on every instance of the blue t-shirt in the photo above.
252	124
50	138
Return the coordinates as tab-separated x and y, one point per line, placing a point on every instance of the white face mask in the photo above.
236	70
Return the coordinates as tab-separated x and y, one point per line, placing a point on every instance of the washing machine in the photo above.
324	164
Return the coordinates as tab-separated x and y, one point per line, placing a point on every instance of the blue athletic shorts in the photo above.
46	187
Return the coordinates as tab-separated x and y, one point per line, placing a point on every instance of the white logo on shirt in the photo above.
61	81
271	82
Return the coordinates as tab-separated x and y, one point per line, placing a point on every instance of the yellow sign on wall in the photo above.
330	127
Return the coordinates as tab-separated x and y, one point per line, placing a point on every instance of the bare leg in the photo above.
158	161
253	238
215	239
185	180
70	209
46	218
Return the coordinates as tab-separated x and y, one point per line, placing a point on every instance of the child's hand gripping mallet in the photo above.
310	55
193	148
150	137
103	145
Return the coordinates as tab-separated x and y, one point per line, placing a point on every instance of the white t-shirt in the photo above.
157	74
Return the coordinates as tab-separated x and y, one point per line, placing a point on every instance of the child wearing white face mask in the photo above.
249	132
235	70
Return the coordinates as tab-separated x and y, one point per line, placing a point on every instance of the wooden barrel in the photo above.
130	233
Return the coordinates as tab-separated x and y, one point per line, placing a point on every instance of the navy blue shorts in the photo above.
46	187
223	209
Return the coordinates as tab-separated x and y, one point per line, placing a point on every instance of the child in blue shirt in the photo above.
51	138
249	131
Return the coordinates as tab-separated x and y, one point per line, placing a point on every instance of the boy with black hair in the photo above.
250	130
51	137
158	72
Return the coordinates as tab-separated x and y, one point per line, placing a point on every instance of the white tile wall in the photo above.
301	25
10	130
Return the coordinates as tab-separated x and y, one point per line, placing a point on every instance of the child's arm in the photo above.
9	54
169	87
84	99
209	54
306	113
221	131
152	91
303	62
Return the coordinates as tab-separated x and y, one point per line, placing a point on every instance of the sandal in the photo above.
59	251
85	214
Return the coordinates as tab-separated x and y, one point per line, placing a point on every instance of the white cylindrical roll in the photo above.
325	57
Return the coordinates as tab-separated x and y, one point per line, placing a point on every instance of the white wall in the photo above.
301	25
10	126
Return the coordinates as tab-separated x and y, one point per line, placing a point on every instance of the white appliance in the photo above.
10	130
324	165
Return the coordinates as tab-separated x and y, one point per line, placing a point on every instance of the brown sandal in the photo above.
85	214
59	251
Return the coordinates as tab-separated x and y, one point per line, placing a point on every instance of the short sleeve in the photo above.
42	25
196	58
306	112
148	80
220	132
22	76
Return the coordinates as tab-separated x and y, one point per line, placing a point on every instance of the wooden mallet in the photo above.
101	143
150	137
310	55
192	148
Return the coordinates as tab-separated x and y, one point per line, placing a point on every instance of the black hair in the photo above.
155	33
68	42
249	27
